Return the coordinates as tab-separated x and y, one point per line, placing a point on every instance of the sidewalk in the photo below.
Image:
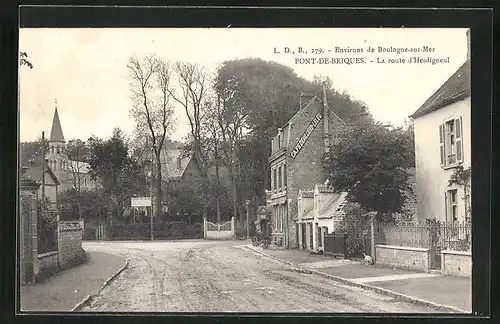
65	289
436	288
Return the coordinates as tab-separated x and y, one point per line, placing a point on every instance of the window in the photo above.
58	150
450	142
275	179
284	176
452	205
280	177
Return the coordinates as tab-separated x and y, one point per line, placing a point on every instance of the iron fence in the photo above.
452	236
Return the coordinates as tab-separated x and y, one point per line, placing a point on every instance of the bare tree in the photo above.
194	86
151	109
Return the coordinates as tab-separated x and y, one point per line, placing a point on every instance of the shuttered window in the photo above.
441	145
451	142
284	176
280	177
458	140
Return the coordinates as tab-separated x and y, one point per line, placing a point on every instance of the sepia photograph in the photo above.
245	170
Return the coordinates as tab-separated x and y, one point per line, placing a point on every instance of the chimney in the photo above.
468	43
326	132
305	95
179	163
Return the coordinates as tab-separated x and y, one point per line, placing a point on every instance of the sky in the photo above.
85	69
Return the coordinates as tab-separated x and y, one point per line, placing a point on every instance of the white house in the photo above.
443	143
319	212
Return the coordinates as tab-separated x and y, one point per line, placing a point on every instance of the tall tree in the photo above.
194	85
152	110
370	162
121	177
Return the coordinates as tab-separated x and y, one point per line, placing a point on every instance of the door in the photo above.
304	244
318	236
311	240
297	234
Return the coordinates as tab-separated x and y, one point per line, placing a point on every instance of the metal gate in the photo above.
435	240
335	244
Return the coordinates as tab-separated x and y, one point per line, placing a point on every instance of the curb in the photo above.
90	297
379	290
295	268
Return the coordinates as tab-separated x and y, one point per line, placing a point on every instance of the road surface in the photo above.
208	276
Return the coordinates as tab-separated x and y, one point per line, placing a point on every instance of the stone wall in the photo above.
48	263
403	257
70	243
456	263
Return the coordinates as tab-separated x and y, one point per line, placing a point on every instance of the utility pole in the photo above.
372	235
248	212
151	194
43	171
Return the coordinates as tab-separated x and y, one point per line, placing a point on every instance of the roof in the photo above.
81	167
315	98
335	206
34	172
170	165
456	88
56	134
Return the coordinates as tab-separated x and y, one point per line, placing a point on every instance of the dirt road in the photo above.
204	276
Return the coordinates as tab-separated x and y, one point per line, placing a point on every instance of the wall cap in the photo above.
466	253
406	248
47	254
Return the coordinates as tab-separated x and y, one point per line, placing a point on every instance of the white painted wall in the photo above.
432	180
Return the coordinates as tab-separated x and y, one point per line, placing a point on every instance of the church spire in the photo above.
56	134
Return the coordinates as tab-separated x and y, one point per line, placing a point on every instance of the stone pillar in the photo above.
28	230
82	226
301	244
315	236
308	236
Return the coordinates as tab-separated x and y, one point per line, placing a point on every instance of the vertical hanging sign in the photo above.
306	135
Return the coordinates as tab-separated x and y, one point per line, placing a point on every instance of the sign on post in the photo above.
140	201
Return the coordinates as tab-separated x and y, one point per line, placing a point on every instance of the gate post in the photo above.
204	227
28	219
232	226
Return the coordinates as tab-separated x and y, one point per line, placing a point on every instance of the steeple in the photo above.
56	134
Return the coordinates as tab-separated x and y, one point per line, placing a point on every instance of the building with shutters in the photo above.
296	163
443	143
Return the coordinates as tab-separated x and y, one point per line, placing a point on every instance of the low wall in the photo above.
403	257
70	244
48	263
456	263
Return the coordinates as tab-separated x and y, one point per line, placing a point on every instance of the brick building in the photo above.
296	163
